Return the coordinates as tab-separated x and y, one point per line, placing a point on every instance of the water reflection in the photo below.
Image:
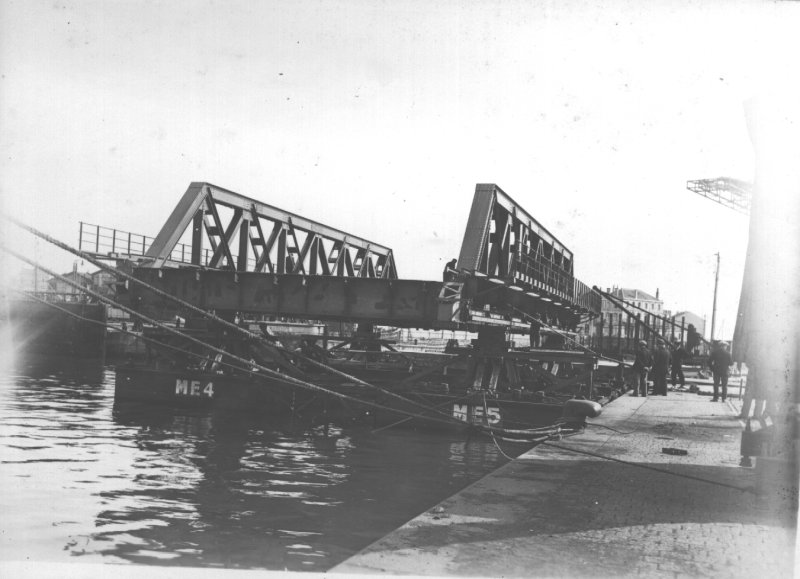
84	478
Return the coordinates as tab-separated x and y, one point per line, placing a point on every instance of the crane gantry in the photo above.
726	191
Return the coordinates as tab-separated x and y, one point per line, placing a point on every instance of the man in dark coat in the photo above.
679	356
449	273
661	360
641	366
720	361
536	327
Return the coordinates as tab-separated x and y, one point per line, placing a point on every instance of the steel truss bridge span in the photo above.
510	270
279	241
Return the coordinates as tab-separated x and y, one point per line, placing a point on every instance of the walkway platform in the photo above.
560	510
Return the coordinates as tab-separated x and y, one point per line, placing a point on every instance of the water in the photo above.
83	480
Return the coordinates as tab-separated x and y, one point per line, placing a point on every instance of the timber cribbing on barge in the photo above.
245	264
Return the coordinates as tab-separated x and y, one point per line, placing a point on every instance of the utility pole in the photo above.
714	307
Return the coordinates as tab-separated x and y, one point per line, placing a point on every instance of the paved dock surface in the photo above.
560	511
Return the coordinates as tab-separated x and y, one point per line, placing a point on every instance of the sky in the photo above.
378	118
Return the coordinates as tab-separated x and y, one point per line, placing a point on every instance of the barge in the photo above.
50	325
512	278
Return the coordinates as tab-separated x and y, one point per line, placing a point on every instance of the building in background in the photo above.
66	290
614	317
104	283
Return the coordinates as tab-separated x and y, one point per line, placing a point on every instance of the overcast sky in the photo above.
379	118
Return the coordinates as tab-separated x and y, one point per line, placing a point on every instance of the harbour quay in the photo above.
651	488
491	289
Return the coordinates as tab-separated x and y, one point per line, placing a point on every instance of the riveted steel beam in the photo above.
404	303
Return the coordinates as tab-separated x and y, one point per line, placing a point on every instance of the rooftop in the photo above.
635	294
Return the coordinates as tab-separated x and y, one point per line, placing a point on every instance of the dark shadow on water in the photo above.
238	490
35	366
37	383
226	488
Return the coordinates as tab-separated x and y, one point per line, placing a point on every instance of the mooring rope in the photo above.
404	420
272	373
206	314
282	378
140	336
648	467
427	408
565	335
612	429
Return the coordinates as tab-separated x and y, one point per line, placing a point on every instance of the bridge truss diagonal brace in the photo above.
501	237
280	241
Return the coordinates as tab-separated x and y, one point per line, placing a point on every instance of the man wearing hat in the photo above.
679	356
661	360
641	366
720	362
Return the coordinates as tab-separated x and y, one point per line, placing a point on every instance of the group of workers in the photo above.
658	364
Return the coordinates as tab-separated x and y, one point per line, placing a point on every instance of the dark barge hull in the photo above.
201	390
41	329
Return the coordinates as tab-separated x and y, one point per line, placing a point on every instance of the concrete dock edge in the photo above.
609	502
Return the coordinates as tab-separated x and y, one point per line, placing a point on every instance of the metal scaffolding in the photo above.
726	191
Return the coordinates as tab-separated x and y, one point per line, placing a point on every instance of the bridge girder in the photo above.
510	268
399	303
405	303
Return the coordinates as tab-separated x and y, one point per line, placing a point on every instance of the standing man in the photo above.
641	366
660	368
536	326
449	272
679	356
720	361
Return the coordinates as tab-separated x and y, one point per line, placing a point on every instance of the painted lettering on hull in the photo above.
194	388
475	414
